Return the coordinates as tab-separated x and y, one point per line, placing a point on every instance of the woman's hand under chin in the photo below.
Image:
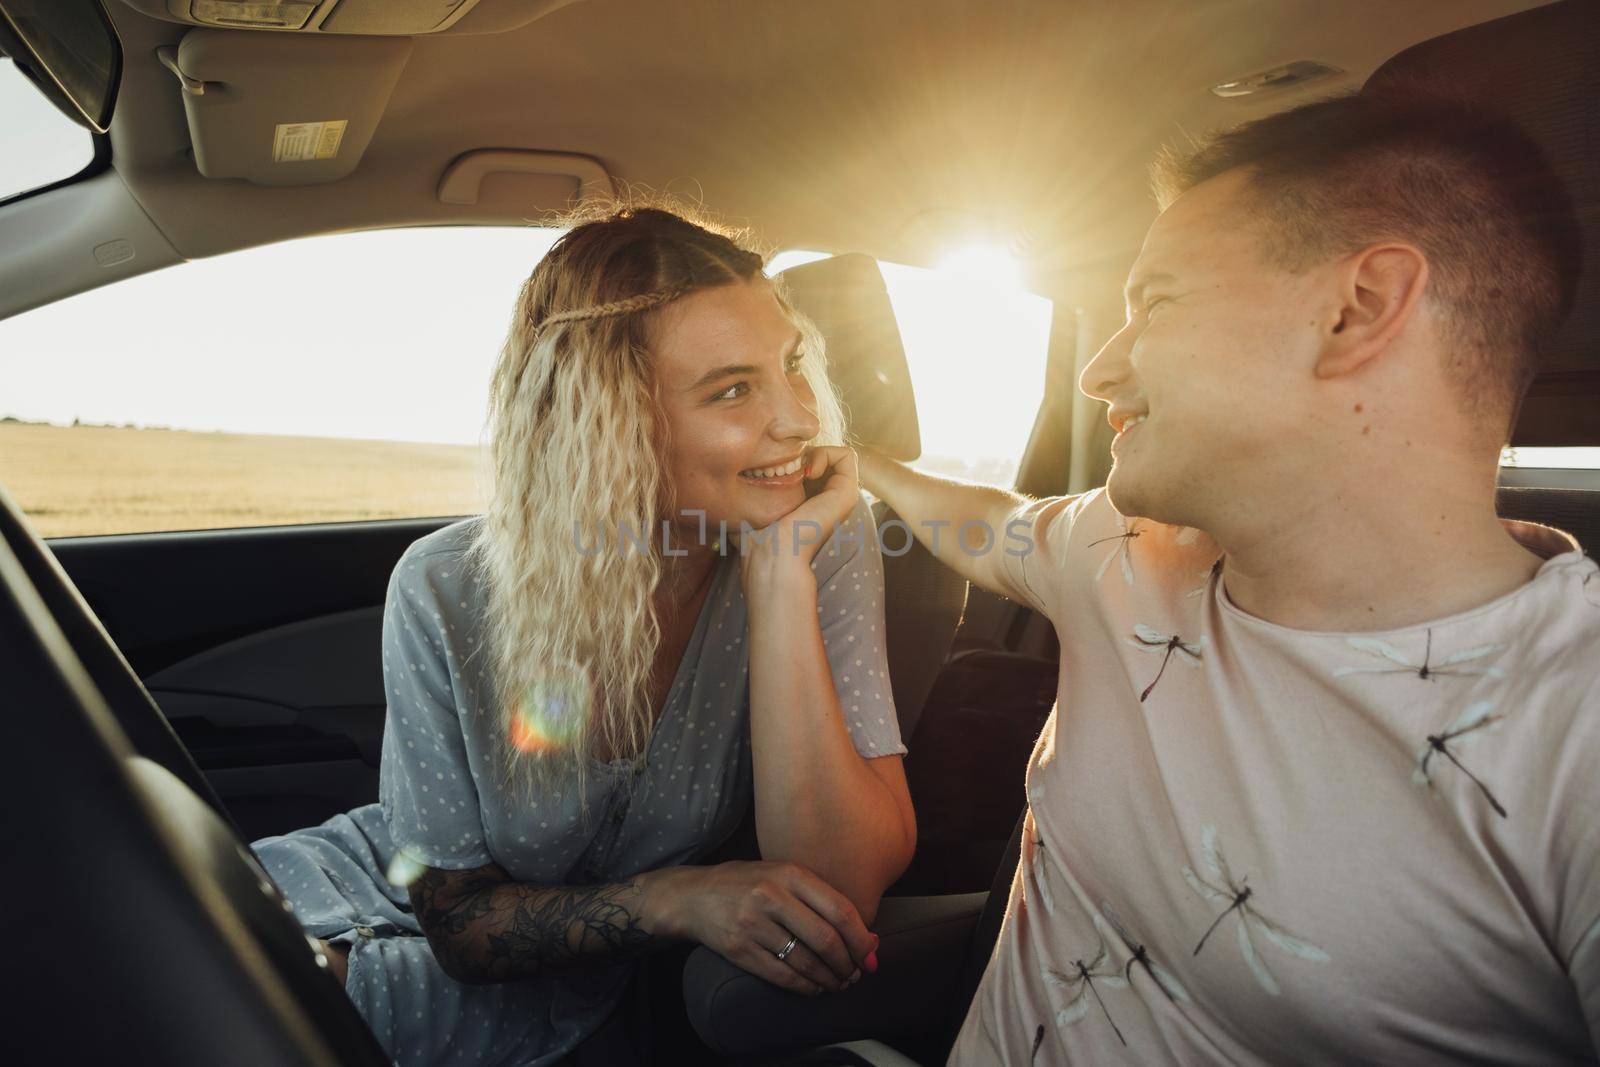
786	548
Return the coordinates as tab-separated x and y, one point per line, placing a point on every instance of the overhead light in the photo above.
987	264
276	16
1297	73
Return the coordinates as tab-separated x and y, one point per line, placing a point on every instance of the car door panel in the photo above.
262	648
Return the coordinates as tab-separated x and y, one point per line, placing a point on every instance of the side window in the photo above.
1557	468
976	344
43	146
320	380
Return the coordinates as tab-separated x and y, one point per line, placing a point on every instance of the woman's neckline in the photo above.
713	586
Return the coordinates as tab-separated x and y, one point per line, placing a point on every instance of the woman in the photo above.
586	685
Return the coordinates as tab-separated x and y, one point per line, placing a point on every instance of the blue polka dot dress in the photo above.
437	802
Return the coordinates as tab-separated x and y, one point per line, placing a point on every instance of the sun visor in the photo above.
283	110
846	298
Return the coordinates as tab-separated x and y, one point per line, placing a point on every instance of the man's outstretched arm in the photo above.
937	508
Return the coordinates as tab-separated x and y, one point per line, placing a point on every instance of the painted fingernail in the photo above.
871	962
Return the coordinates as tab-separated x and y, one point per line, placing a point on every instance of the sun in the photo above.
986	264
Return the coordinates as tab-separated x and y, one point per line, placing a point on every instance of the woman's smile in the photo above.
776	476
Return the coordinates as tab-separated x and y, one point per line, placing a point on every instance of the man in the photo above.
1323	778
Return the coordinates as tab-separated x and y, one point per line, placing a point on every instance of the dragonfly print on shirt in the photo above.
1148	639
1236	896
1041	874
1123	552
1206	576
1138	955
1080	985
1459	663
1471	725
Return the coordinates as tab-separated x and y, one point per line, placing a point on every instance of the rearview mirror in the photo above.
69	50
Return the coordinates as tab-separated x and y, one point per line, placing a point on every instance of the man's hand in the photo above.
938	509
873	467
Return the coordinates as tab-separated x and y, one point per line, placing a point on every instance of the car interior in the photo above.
181	694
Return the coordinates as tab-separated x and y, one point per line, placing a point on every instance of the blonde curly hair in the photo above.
575	440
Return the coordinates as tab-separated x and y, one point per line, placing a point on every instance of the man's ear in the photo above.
1379	289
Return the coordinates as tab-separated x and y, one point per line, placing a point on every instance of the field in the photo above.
97	480
77	480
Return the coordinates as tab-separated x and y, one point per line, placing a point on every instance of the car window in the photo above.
976	345
326	379
1552	458
42	146
1556	468
344	378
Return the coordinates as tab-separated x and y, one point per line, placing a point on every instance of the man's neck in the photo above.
1358	560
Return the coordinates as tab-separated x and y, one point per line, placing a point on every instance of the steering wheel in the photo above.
140	926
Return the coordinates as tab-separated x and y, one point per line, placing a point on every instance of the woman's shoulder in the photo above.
438	566
446	542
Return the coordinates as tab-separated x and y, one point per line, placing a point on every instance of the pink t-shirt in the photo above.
1247	843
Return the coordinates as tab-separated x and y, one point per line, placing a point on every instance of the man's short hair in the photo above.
1464	185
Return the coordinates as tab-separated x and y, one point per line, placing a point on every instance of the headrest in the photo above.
846	298
1541	68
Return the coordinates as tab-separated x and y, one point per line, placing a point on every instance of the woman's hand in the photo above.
838	469
781	545
747	911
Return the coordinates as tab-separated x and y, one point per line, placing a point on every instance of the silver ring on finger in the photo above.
783	953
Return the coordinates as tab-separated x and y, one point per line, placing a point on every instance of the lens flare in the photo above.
404	869
552	713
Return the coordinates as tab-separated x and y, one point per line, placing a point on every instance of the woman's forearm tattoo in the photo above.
484	929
